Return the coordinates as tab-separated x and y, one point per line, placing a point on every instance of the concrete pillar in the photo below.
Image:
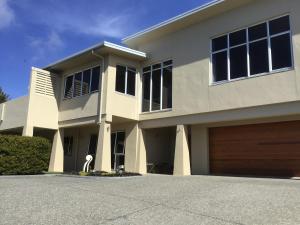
57	154
27	131
103	154
182	155
141	162
200	150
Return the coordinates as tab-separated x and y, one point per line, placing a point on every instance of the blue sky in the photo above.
36	33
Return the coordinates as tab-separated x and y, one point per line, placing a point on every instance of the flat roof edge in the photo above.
100	45
172	20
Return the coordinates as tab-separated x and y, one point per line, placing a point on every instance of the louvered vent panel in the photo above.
45	83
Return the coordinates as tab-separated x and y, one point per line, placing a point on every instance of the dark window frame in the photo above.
65	97
127	69
248	42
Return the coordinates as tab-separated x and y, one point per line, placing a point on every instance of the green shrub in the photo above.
23	155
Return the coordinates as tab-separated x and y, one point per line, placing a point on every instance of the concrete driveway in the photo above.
151	199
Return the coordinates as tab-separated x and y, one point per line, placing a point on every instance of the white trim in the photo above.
100	45
269	48
248	54
161	85
228	58
173	20
287	69
2	112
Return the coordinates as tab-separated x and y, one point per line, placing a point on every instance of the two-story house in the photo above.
215	90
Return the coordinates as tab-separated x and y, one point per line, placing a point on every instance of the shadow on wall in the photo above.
160	149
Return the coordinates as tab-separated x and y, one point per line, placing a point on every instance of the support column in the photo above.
27	131
103	155
200	150
57	154
182	156
141	160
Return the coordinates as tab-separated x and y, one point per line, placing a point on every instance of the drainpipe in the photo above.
102	77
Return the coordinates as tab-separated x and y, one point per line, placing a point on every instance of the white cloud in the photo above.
43	46
6	14
103	24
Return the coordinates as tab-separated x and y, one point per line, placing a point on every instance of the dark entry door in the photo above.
93	148
117	149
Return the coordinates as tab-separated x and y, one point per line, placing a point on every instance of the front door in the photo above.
93	148
117	149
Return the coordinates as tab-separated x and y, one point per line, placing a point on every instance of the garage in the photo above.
271	149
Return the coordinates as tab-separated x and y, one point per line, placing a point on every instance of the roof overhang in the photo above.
186	19
88	55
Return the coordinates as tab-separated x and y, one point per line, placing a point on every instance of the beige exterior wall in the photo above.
82	106
190	50
199	150
13	113
119	104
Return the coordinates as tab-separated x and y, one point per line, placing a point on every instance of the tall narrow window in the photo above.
77	84
95	79
146	91
86	80
125	80
131	74
121	79
238	54
156	84
157	87
69	87
256	50
167	87
219	58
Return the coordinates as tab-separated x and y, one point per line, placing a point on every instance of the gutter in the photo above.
102	79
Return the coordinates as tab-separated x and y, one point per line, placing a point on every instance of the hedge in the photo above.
23	155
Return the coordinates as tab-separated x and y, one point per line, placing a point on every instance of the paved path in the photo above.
44	200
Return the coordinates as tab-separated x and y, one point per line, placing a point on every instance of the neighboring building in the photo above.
215	90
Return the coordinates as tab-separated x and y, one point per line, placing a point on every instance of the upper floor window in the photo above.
157	87
125	80
255	50
82	83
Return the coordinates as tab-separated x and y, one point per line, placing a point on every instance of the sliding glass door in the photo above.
117	149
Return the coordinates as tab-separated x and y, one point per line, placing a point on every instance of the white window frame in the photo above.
268	38
81	84
127	68
162	67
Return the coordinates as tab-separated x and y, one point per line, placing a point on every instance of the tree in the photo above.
3	96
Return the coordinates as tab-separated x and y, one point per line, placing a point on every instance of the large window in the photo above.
157	87
125	80
82	83
255	50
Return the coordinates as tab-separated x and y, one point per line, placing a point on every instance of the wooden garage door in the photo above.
271	149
